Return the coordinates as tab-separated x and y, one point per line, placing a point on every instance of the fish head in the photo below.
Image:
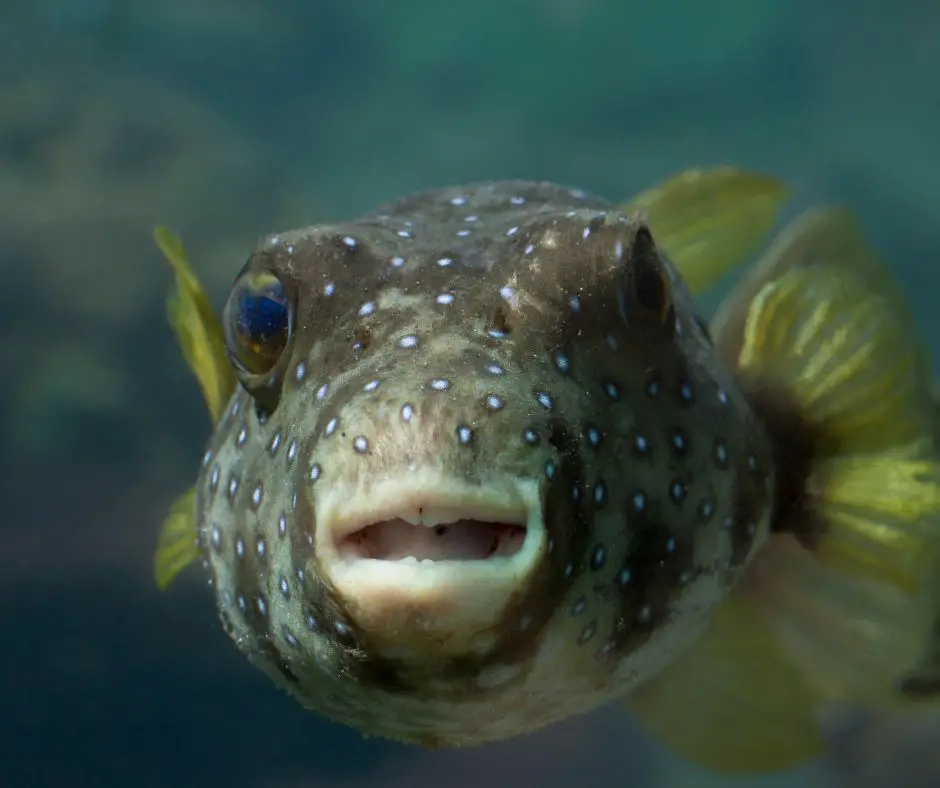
473	473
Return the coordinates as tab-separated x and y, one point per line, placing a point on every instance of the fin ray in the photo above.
197	327
199	333
849	583
732	703
177	547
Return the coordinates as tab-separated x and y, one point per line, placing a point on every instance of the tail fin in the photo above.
846	588
826	339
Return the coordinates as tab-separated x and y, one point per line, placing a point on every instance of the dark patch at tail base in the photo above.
795	444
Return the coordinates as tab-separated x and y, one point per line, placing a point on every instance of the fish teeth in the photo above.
410	560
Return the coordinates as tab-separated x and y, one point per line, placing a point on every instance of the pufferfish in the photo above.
480	464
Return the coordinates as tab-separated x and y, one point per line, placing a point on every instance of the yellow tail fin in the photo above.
842	599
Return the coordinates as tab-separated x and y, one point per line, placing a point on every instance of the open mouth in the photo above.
398	539
430	555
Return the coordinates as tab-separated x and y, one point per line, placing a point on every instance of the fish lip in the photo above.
342	512
430	513
454	605
420	502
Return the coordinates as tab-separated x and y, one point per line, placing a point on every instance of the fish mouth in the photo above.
430	553
433	536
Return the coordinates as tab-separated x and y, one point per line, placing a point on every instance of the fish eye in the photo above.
648	290
258	322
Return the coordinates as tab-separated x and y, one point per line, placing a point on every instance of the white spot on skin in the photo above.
509	295
494	403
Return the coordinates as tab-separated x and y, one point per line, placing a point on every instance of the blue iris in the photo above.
258	322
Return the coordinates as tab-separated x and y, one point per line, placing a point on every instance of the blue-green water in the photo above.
227	120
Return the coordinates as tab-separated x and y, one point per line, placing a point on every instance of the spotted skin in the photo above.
490	333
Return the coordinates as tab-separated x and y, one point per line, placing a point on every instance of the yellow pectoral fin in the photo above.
733	703
708	221
197	327
177	546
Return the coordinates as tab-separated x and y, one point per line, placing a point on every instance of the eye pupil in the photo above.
258	322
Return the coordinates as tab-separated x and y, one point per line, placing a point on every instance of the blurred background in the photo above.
228	120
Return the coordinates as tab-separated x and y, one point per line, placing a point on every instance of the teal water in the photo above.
227	120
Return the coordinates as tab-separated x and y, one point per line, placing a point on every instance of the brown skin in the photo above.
651	479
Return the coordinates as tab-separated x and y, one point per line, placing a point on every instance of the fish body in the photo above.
576	479
485	467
